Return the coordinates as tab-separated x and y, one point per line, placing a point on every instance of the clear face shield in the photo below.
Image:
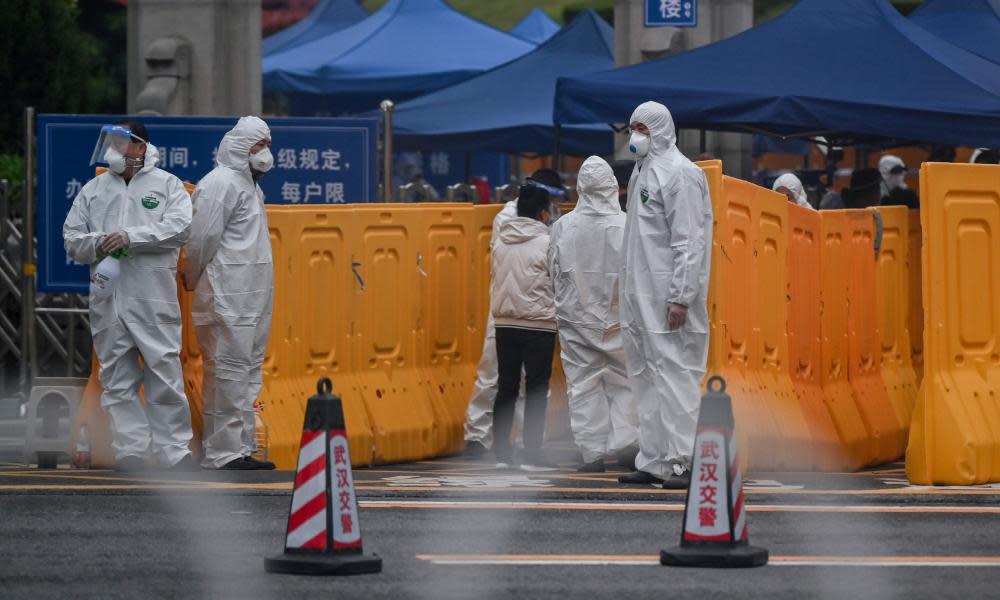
557	195
112	147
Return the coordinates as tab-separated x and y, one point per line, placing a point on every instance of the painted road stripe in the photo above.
651	560
662	507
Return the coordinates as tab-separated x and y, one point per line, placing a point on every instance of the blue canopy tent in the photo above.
509	109
970	24
405	49
329	16
536	27
851	70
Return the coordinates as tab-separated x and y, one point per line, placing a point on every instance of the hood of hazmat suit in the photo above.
228	260
893	171
668	241
585	254
142	316
794	185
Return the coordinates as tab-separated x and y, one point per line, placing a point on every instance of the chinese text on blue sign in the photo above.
673	13
317	161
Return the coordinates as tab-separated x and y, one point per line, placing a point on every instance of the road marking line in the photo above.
661	507
372	485
652	560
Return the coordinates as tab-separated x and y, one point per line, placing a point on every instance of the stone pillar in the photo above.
635	43
199	57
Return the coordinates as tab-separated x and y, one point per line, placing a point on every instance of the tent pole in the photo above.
703	142
387	108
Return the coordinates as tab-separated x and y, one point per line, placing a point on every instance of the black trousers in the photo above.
531	349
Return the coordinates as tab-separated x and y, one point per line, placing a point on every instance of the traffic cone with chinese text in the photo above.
324	532
715	532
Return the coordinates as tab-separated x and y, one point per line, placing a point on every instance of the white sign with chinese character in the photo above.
708	501
346	526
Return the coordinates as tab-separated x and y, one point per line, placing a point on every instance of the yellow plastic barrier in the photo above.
916	314
731	322
805	338
954	435
892	287
769	315
859	448
883	418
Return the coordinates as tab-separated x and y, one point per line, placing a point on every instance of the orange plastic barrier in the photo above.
731	322
840	401
805	338
916	313
894	311
954	435
884	419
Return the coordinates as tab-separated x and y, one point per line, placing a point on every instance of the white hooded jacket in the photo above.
154	209
521	289
586	251
668	232
229	253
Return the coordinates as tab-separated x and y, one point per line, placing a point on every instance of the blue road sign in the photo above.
316	161
671	13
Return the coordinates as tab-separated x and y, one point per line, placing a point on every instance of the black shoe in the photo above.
185	464
678	482
260	465
592	467
474	449
638	478
130	464
239	464
626	456
536	461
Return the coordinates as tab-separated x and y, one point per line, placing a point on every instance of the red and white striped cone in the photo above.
324	531
715	530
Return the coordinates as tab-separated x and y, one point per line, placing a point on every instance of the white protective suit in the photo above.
229	256
142	317
794	185
668	243
479	414
585	260
891	181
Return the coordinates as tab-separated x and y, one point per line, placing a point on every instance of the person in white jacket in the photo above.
585	257
228	264
479	413
139	216
664	291
523	306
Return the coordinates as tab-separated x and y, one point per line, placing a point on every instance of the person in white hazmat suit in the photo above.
479	413
664	288
141	215
791	186
228	264
585	260
893	171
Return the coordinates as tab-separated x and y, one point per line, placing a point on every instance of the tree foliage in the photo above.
51	63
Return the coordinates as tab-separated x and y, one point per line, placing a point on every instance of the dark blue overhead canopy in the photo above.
970	24
509	109
407	48
536	27
329	16
850	70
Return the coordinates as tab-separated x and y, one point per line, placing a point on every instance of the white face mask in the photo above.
897	181
638	144
262	161
115	160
